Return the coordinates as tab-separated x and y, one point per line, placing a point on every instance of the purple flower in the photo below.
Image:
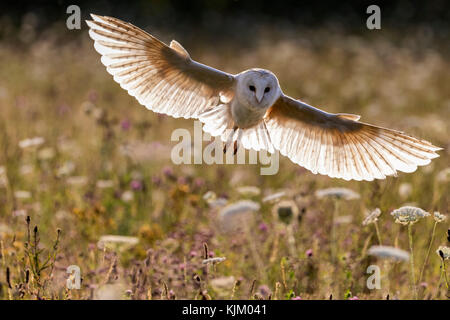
354	298
136	185
296	298
125	125
92	96
193	253
182	180
63	109
264	290
156	180
262	227
167	171
199	182
155	145
309	253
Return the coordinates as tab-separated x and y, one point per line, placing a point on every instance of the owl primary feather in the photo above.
250	108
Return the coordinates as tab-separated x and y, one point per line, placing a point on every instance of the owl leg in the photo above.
230	139
237	141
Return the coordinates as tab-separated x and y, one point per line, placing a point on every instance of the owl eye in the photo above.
267	89
252	88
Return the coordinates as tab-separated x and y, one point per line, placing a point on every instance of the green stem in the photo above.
428	252
413	277
333	232
378	233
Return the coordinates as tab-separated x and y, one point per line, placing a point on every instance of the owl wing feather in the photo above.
340	146
162	78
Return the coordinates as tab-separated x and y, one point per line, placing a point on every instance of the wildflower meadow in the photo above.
93	207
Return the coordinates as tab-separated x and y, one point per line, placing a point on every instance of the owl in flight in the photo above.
250	108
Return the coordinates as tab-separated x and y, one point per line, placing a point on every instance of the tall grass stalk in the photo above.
413	277
433	234
378	233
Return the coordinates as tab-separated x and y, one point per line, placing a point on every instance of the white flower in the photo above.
113	291
214	260
405	190
273	197
439	217
105	184
344	219
234	215
339	193
219	202
372	217
111	241
127	196
209	196
388	253
67	168
77	180
443	252
249	191
408	215
31	142
222	283
19	213
3	177
26	169
4	230
444	175
46	153
22	194
239	207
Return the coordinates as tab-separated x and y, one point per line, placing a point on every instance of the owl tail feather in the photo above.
219	123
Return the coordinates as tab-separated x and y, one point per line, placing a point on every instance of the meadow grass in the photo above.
97	164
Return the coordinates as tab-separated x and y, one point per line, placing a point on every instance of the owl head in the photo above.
257	88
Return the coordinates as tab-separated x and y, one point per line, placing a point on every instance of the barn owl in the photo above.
250	108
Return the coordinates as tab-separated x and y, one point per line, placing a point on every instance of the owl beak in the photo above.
259	95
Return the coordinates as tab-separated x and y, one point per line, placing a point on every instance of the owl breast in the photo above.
246	116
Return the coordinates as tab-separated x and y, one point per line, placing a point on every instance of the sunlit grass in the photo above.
77	154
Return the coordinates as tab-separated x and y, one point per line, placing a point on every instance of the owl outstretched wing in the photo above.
162	78
340	146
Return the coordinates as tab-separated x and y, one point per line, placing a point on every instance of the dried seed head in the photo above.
205	251
444	252
196	278
285	211
372	217
439	217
